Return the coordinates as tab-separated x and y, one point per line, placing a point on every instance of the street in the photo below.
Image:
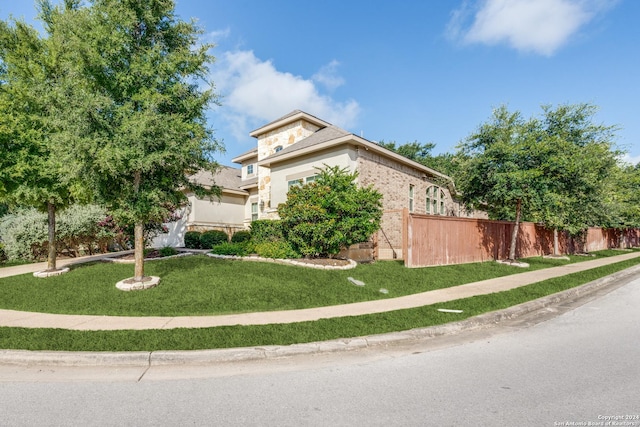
576	368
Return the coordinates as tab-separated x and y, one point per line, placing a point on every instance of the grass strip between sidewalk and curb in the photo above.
286	334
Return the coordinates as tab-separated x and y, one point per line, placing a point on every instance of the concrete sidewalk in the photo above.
13	318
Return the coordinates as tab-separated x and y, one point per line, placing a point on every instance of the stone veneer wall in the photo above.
283	136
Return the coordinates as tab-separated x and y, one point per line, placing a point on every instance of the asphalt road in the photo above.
578	366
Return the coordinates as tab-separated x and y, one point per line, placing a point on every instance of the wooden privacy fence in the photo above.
430	240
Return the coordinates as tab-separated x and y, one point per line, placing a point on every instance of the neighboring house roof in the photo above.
228	178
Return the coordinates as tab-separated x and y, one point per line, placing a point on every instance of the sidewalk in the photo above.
13	318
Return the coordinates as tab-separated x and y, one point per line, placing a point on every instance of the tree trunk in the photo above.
555	242
51	258
138	242
514	234
138	235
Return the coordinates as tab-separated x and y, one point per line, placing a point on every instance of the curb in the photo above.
208	357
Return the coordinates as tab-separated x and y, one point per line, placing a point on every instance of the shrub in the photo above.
3	255
331	213
78	228
241	236
167	251
266	230
210	238
279	250
192	240
237	249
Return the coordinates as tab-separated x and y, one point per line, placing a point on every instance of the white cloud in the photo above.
254	92
633	160
328	76
540	26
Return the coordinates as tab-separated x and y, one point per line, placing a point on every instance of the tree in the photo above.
580	159
30	171
421	153
135	127
330	213
500	172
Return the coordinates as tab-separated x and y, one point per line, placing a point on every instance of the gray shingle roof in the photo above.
323	135
226	177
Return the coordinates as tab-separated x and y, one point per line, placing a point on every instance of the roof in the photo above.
246	155
323	135
226	177
287	119
332	136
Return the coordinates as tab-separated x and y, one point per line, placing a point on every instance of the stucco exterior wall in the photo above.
302	167
227	212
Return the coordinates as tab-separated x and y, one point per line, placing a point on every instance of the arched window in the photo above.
436	199
278	148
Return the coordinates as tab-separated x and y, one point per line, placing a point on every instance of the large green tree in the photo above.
30	171
135	126
501	171
580	160
421	153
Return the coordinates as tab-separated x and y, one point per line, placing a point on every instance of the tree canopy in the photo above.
31	173
134	125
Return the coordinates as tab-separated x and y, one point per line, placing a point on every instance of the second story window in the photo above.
250	170
278	148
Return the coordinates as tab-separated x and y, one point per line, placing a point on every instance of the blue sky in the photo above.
403	70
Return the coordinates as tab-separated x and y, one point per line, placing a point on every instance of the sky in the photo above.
413	70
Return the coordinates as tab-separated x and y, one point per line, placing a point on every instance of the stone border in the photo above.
352	263
132	261
131	285
46	273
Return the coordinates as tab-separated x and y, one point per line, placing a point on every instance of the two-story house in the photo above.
288	152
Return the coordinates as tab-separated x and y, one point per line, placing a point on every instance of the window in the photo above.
278	148
411	188
294	183
436	199
249	169
301	181
254	211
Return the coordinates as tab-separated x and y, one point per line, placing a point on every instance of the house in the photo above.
288	152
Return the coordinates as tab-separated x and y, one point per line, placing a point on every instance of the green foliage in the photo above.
167	251
210	238
322	217
192	240
275	249
25	232
241	236
266	230
3	254
236	248
445	163
131	106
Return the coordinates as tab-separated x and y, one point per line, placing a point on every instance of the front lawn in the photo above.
285	334
200	285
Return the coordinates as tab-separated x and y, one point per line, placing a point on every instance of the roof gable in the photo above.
287	119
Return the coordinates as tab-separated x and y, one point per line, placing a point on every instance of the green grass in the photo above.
325	329
200	285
